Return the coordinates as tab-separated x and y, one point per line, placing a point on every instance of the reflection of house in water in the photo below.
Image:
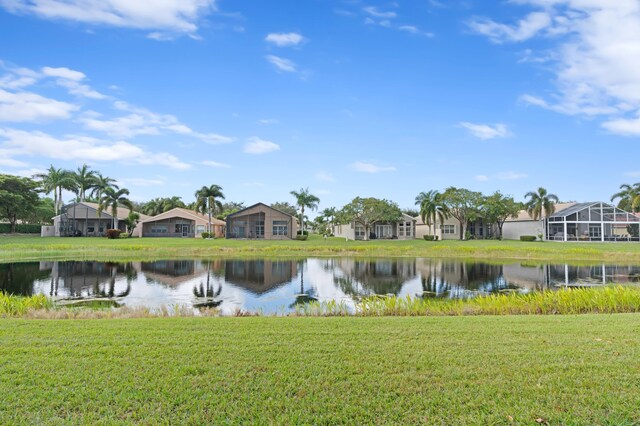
260	276
379	276
91	279
18	278
172	273
440	276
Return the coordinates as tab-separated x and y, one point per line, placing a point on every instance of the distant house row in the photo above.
255	222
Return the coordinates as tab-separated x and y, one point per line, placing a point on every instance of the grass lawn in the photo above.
35	248
566	370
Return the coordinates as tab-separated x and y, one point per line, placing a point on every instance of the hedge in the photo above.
5	228
528	238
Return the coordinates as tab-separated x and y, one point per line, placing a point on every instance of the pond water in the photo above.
278	286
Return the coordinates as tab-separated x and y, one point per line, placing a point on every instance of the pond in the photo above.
277	286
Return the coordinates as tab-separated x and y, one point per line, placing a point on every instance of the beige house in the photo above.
404	229
82	220
181	223
261	222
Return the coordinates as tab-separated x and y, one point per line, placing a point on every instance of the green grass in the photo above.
15	306
14	248
568	370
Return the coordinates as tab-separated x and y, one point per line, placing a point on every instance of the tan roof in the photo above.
186	213
523	215
123	212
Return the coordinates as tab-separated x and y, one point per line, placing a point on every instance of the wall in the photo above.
512	230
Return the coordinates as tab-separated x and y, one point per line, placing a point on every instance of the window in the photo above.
359	231
260	228
594	231
280	227
404	229
200	229
448	229
91	229
159	229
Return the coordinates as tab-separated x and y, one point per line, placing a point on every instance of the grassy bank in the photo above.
463	370
36	248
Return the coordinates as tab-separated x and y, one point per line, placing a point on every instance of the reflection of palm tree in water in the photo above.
302	297
110	291
207	292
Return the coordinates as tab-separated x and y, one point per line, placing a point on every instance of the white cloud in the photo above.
268	121
36	143
486	131
256	145
375	12
325	177
6	161
370	167
481	178
27	106
526	28
64	73
285	39
178	16
511	175
141	182
215	164
595	58
282	64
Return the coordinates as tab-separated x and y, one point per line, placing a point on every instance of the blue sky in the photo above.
346	97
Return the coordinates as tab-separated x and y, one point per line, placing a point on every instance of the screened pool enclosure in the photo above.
593	222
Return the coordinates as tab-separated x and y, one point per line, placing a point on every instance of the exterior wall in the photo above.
349	230
198	224
345	231
47	231
170	225
513	230
270	215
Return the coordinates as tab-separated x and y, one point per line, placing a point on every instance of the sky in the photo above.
346	97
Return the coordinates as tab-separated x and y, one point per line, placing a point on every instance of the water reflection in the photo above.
275	285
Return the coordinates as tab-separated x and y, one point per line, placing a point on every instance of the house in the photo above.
179	223
404	229
82	219
450	229
260	276
260	221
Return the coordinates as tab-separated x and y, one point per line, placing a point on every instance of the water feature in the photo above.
278	286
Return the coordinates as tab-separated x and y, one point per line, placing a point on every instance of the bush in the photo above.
5	228
430	237
302	237
124	235
206	235
303	232
113	234
468	236
528	238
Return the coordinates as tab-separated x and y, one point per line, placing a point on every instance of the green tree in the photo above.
54	181
228	208
132	221
84	179
432	208
463	205
540	204
629	196
111	199
101	184
42	212
305	199
497	208
366	211
208	199
285	207
18	196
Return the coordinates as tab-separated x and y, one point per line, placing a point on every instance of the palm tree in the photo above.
305	199
111	199
55	180
101	184
629	197
207	199
540	204
172	203
85	179
432	208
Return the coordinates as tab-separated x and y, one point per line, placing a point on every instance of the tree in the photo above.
629	196
18	196
463	205
207	199
160	205
540	202
132	221
432	208
410	211
228	208
366	211
101	184
305	199
55	180
42	212
84	179
497	208
111	199
285	207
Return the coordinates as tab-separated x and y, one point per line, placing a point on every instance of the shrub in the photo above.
206	235
113	234
528	238
21	228
430	237
468	236
303	232
124	235
302	237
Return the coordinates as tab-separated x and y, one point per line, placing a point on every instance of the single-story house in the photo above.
260	276
180	223
404	229
82	219
261	221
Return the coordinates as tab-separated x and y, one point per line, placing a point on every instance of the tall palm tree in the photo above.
305	199
85	179
629	196
207	199
540	204
432	208
102	183
55	180
171	203
111	199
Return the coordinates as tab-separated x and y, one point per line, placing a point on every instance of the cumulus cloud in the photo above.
64	73
511	175
31	107
524	29
215	164
325	176
256	145
481	178
377	13
486	131
285	39
371	167
282	64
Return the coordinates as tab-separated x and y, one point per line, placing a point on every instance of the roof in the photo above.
523	215
259	204
573	209
181	212
122	213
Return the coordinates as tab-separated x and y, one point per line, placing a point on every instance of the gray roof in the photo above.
574	209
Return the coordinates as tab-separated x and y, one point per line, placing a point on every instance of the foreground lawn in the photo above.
465	370
35	248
